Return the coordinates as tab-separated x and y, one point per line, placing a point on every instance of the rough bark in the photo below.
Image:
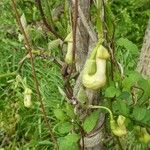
85	44
86	41
144	60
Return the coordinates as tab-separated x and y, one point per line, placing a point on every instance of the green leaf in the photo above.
69	142
121	107
59	114
124	95
90	121
112	92
129	45
72	138
65	144
82	97
130	80
139	113
70	111
147	118
145	85
64	127
117	76
135	75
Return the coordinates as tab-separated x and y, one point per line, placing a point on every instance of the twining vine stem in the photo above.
67	85
75	18
29	49
112	54
49	27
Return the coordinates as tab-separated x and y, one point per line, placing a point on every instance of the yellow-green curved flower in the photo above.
96	80
142	134
69	55
118	128
94	72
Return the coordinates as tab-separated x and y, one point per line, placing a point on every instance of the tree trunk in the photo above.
86	40
144	61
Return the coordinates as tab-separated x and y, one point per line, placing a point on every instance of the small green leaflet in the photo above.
90	121
139	113
82	97
112	91
69	142
64	127
130	80
72	138
124	95
59	114
121	107
145	90
70	111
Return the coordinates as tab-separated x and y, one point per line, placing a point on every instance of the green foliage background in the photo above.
23	128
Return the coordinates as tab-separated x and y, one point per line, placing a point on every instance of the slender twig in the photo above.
75	18
45	21
29	49
103	19
82	134
105	33
66	12
107	40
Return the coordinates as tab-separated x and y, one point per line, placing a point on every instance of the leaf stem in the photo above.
111	118
49	27
102	107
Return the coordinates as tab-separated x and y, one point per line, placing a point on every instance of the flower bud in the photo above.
142	134
27	97
118	128
69	55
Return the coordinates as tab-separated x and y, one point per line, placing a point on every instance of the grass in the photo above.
23	128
